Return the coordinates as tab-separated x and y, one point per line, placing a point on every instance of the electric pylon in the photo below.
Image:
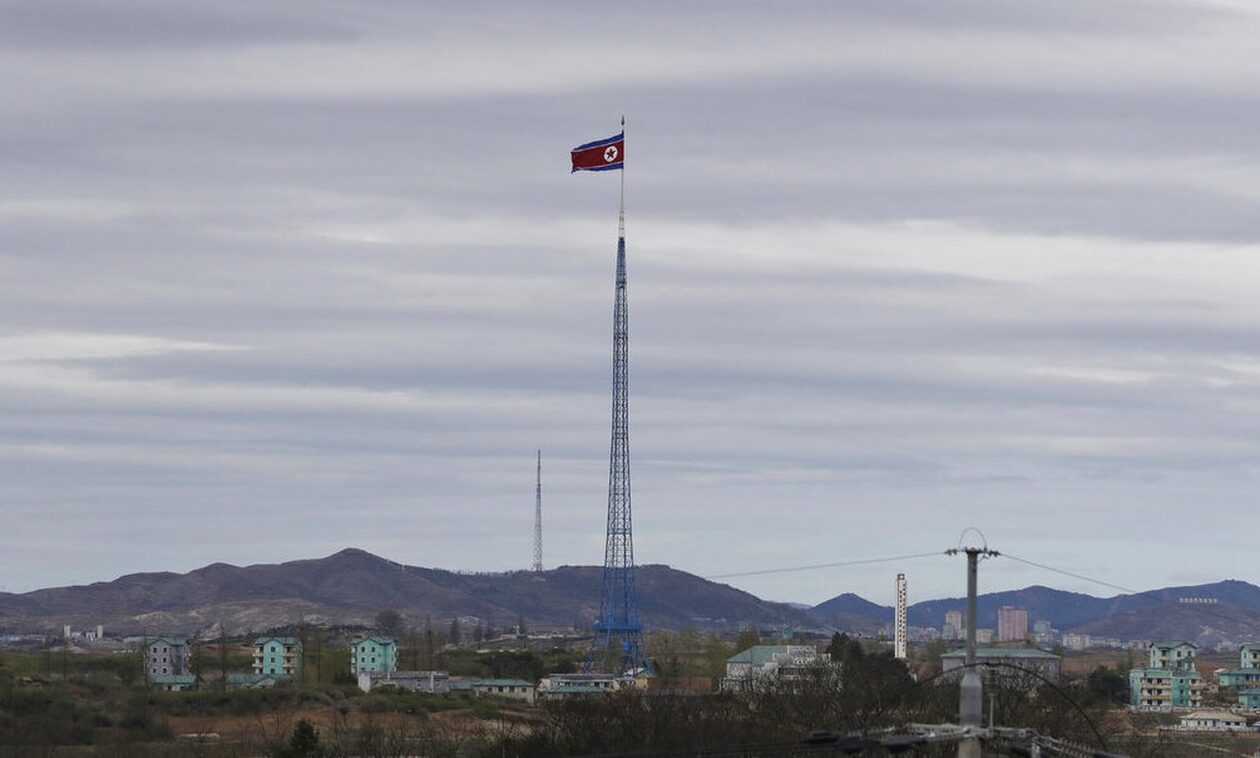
538	517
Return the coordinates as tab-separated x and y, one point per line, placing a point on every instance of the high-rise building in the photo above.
1012	624
954	629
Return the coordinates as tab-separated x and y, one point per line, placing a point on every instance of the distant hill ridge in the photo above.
1233	615
351	586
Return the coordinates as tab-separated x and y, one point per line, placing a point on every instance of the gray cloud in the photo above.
115	24
320	271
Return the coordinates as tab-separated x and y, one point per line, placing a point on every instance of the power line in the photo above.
1074	575
811	567
1156	595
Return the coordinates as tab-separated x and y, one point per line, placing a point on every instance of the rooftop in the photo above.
1192	673
1218	715
407	674
1252	671
577	689
1004	652
240	678
759	654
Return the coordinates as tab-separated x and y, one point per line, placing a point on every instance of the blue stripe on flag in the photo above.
599	143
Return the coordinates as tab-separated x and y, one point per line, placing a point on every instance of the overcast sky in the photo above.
281	278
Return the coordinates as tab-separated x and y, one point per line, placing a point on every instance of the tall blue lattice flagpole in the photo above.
618	633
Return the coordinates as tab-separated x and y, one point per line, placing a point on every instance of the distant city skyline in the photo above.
286	278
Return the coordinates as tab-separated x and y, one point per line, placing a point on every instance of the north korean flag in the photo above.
600	155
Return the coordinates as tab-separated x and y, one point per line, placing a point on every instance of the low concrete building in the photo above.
172	682
431	682
1213	721
579	685
1005	661
237	681
607	682
760	664
510	689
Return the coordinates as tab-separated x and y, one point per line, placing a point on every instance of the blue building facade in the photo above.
1169	680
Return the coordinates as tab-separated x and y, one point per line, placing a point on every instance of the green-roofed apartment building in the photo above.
1170	679
1247	675
277	656
1249	697
373	654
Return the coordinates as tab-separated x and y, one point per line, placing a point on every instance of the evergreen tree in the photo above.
223	655
747	638
305	741
428	641
319	654
196	662
391	623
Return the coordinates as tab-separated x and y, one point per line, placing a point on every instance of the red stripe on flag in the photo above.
599	157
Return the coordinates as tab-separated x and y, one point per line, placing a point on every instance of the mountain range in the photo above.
350	587
1226	610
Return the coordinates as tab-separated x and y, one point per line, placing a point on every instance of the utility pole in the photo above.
970	695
